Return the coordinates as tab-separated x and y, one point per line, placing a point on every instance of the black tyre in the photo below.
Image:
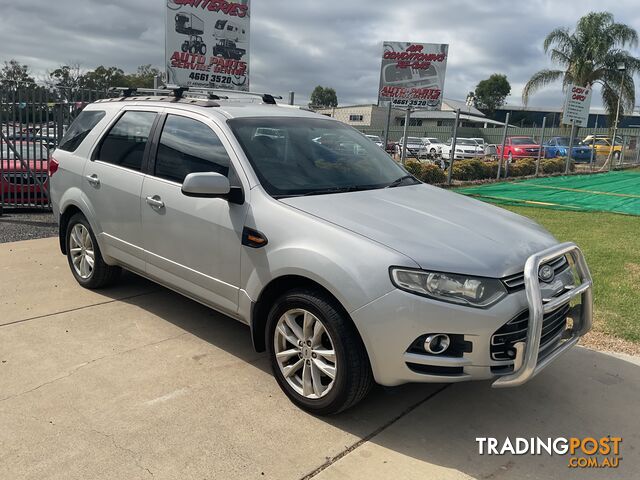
616	156
85	259
203	49
316	353
185	47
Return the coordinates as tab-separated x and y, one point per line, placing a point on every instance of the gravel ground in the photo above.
19	224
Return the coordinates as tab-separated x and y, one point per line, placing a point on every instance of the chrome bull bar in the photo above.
526	365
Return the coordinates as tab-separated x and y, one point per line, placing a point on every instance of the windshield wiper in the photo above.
399	181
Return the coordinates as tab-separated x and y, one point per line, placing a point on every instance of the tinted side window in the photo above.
79	129
125	143
189	146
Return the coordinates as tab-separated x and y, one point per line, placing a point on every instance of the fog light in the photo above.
437	343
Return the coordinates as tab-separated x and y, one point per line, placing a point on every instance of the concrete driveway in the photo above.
139	382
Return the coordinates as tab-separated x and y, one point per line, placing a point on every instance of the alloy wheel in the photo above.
82	251
305	353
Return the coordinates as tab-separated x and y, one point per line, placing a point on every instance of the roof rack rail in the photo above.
266	97
126	92
178	92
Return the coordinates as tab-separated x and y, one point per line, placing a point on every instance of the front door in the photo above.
192	244
113	183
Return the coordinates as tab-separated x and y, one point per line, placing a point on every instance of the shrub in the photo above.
432	174
414	168
469	170
522	168
555	165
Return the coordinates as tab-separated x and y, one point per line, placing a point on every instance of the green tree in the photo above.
323	97
103	78
143	78
68	79
15	75
589	56
492	92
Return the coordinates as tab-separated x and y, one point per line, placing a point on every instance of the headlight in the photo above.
449	287
459	150
517	150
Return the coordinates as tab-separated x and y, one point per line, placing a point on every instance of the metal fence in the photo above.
626	153
32	122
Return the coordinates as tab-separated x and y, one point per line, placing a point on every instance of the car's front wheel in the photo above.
85	259
316	353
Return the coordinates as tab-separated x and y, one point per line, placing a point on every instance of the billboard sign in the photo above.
412	74
207	43
577	106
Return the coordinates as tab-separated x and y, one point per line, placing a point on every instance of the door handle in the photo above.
93	180
155	202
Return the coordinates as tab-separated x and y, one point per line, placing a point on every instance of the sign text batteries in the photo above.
207	43
412	74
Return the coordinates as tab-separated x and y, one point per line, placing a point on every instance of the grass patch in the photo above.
611	245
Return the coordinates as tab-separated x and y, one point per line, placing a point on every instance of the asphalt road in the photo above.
138	382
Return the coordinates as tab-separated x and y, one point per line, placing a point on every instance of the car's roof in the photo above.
232	108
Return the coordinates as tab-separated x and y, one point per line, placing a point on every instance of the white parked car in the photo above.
413	146
431	147
376	139
465	148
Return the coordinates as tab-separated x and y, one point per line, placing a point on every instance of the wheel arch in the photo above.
74	202
274	289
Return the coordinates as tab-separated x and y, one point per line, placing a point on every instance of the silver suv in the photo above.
347	270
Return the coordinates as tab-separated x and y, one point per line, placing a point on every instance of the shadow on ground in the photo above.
585	393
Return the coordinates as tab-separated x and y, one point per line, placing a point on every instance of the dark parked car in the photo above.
559	147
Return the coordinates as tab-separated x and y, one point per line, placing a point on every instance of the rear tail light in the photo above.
53	166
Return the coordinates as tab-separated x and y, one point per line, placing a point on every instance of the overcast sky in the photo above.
297	44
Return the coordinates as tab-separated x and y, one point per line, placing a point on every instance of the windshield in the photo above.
374	138
522	141
432	140
465	141
313	156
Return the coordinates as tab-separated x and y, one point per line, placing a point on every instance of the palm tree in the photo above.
589	56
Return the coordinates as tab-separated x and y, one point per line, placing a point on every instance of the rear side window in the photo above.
189	146
79	129
125	143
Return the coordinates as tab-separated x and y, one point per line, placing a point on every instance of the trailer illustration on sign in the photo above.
221	64
412	74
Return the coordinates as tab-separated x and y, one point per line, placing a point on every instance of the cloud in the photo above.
298	45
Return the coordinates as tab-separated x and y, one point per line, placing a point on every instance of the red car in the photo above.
519	147
22	182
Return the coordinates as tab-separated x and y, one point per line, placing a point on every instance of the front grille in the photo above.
515	282
515	331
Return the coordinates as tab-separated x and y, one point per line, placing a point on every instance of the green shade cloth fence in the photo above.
617	192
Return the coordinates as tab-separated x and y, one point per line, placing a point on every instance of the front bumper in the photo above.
390	324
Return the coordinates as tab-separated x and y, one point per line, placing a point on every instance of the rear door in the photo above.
192	244
113	182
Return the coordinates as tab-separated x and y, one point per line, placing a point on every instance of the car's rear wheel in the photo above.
316	354
85	259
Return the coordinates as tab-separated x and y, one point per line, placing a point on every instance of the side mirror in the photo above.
206	185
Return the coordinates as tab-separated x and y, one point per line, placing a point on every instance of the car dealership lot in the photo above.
137	381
